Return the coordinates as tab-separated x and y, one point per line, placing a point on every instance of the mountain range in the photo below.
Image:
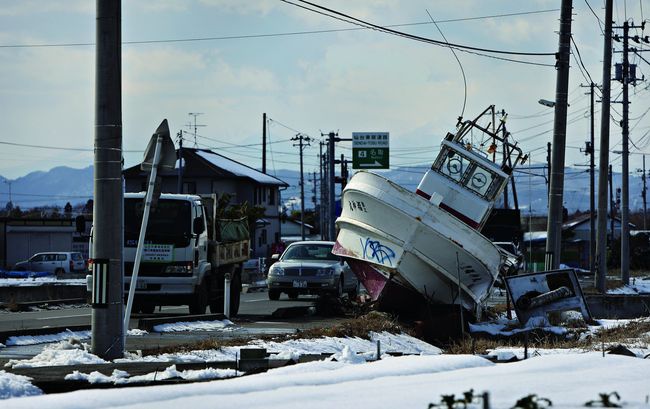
62	184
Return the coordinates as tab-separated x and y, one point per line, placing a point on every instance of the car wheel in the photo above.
147	308
200	300
352	294
339	290
59	272
274	295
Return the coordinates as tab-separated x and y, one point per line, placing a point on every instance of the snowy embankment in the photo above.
568	380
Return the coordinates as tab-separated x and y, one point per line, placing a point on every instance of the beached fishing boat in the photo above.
428	242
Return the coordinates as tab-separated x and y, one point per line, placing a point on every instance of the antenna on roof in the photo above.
190	125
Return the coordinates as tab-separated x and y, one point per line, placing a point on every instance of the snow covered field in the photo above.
349	378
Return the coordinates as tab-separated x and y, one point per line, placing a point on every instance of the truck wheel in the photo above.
200	300
274	295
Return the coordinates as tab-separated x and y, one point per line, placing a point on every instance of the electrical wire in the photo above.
462	70
468	49
285	34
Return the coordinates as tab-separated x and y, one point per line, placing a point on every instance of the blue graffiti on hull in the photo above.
374	250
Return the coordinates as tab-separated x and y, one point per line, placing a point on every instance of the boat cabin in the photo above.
463	180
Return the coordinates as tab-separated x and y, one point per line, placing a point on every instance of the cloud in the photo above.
30	7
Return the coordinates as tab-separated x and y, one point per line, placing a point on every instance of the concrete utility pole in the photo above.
303	142
321	209
108	277
264	142
592	198
643	195
554	226
332	138
179	188
603	162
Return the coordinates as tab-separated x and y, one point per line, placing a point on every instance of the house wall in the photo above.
22	241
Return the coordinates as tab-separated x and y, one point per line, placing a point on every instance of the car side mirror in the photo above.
275	257
198	225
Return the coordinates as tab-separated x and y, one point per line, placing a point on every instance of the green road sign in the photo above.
370	150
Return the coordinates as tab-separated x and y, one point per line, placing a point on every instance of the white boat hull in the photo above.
408	239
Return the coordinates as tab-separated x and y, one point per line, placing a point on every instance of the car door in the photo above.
35	262
62	262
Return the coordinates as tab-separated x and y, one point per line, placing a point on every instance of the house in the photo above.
291	231
206	172
575	242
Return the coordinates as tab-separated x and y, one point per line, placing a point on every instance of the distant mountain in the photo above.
530	184
55	187
63	184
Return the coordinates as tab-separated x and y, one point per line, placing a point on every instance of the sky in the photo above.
309	73
351	377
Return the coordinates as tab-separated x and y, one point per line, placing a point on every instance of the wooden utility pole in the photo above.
107	339
554	226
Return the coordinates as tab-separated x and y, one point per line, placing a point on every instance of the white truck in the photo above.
188	252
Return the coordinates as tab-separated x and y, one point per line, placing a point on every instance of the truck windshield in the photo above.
168	224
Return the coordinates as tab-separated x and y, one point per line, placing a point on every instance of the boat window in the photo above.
480	180
453	165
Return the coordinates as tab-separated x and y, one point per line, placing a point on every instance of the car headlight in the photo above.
325	272
276	271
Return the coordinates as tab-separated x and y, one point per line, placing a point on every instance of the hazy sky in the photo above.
346	81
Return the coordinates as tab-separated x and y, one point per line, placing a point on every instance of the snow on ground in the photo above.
31	282
61	336
638	285
195	326
569	380
68	352
13	386
119	377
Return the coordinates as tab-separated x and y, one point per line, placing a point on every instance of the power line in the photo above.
269	35
25	145
384	29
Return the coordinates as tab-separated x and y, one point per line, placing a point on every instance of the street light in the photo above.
547	103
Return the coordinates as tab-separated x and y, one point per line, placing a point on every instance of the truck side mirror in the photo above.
198	225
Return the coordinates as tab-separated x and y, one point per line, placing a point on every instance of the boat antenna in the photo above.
462	112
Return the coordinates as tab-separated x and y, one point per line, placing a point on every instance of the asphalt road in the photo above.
255	305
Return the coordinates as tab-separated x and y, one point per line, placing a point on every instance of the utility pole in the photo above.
589	150
303	142
313	190
107	339
189	125
548	165
627	76
179	188
332	138
612	205
321	212
264	142
625	165
603	162
554	226
643	195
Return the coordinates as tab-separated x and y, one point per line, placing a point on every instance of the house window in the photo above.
189	188
271	196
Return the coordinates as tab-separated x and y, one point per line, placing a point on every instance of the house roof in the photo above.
237	169
221	165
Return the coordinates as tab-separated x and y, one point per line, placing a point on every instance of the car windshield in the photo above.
168	224
309	251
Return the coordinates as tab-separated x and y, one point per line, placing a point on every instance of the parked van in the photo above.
54	262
